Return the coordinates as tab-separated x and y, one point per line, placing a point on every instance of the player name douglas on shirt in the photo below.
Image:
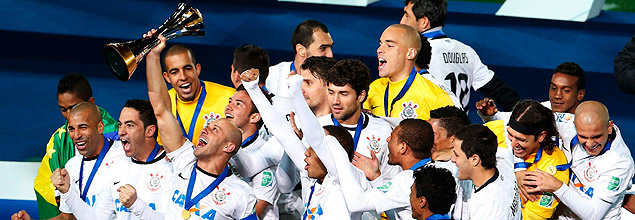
455	57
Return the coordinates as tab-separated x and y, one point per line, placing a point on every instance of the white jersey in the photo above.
603	178
457	66
148	178
231	199
114	155
263	183
323	200
375	133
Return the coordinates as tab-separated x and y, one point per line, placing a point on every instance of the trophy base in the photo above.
121	60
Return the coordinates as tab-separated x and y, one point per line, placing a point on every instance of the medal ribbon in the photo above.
358	129
154	152
292	68
420	163
199	105
423	71
438	216
306	209
404	89
189	201
100	159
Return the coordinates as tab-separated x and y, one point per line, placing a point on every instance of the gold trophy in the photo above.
123	58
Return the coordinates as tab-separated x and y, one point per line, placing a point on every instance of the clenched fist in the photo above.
61	180
127	195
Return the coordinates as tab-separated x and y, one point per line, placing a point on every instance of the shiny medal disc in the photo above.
186	214
552	170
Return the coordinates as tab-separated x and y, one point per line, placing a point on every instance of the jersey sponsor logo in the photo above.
220	196
546	200
313	213
614	184
515	206
179	199
373	144
384	188
409	110
267	179
155	182
210	118
563	117
453	57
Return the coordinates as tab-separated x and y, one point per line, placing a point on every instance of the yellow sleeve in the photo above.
498	127
544	207
374	97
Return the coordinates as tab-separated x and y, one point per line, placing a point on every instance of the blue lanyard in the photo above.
246	141
433	34
306	209
100	159
154	152
358	129
199	105
404	89
438	216
189	201
422	71
292	68
421	163
561	167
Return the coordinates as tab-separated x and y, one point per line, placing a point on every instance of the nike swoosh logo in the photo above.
181	176
374	107
117	182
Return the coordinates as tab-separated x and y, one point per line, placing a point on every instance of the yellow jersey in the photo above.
212	108
544	207
422	97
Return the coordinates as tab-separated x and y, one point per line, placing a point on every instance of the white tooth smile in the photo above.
185	85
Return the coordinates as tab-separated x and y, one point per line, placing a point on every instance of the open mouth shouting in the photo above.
382	63
126	144
202	142
81	145
186	87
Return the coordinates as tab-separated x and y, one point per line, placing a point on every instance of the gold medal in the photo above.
552	170
185	214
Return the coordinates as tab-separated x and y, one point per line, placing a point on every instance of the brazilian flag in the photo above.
59	150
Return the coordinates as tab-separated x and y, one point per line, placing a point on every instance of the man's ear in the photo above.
412	54
423	202
301	50
362	96
150	130
100	127
254	118
198	69
610	126
91	100
229	148
423	24
581	94
165	76
475	160
541	137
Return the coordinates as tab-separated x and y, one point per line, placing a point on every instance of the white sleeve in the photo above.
287	175
582	206
143	211
283	131
252	160
265	186
481	74
182	157
74	204
246	209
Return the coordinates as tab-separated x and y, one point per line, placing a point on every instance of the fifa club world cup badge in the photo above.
409	110
155	182
210	118
589	173
373	144
220	196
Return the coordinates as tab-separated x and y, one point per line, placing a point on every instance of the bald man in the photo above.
402	92
202	187
601	167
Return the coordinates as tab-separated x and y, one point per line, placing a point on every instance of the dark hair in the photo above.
178	49
254	109
435	10
352	72
573	69
451	118
251	56
75	83
424	55
303	33
437	186
479	140
537	117
342	136
418	135
146	113
319	66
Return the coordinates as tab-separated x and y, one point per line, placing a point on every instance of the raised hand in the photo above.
61	180
250	75
127	195
370	166
486	107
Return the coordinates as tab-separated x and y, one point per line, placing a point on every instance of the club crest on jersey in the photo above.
564	117
409	110
210	118
220	196
589	173
155	182
373	144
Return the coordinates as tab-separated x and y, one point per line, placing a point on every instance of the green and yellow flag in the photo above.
59	150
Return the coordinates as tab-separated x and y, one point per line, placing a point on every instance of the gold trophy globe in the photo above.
123	58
